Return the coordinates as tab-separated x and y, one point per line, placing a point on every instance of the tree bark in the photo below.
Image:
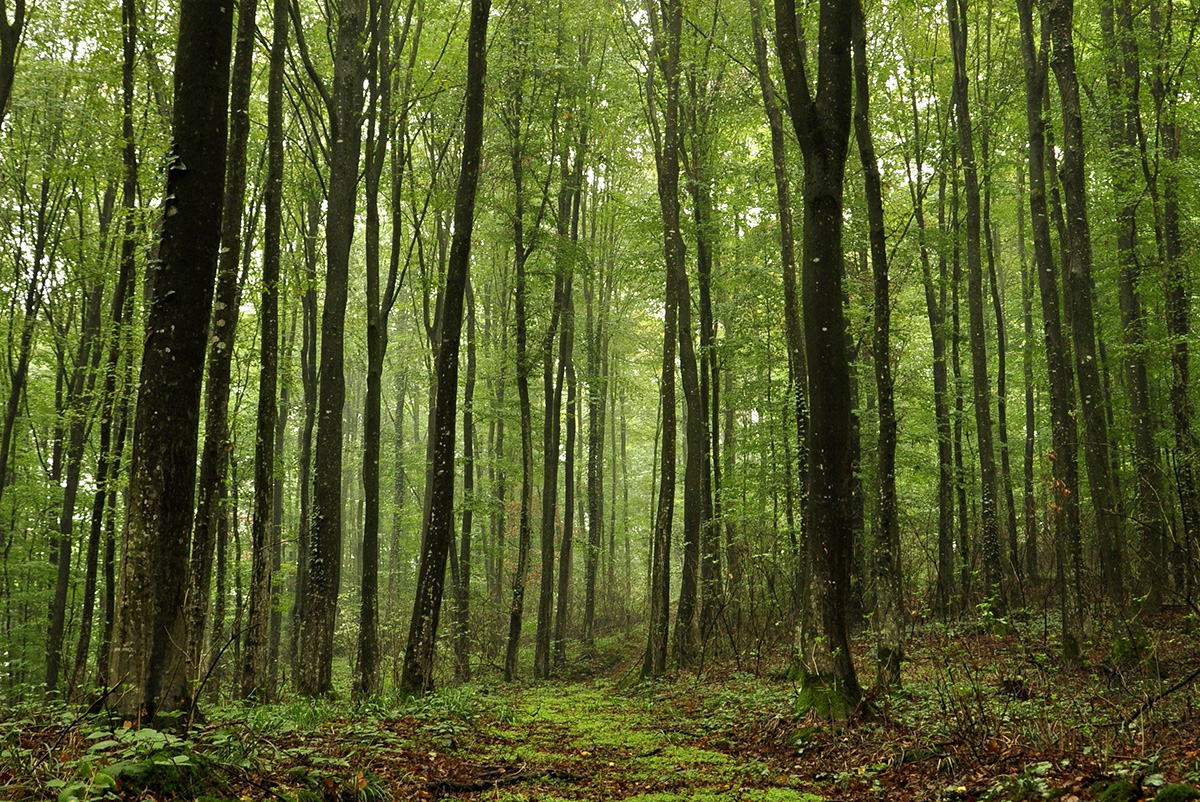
80	388
147	658
1058	363
10	43
981	384
822	125
666	19
888	619
1077	284
255	665
417	675
462	584
214	458
344	108
1125	137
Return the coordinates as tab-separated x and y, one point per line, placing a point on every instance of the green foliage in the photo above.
1176	792
129	760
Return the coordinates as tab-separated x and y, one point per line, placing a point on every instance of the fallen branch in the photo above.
497	777
1149	703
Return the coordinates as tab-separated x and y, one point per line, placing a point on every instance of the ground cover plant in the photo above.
981	715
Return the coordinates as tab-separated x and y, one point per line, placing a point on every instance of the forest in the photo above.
533	400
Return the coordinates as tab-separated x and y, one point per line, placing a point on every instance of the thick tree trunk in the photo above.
148	639
215	451
417	675
823	127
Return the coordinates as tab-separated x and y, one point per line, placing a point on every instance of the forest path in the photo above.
597	740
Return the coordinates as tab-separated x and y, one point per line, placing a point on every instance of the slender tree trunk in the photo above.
935	306
1032	556
256	658
438	525
1058	363
888	619
566	550
965	548
462	586
1077	283
666	24
1124	81
1167	96
344	107
992	574
379	79
308	381
82	382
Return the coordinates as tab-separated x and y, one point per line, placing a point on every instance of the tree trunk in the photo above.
992	574
935	306
10	45
344	107
1058	364
889	604
148	638
1125	137
1077	283
308	381
255	666
1166	94
80	387
666	25
822	124
462	584
214	455
417	675
1032	556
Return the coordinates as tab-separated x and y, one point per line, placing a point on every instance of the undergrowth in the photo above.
985	713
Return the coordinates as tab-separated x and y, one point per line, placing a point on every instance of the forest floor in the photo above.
981	716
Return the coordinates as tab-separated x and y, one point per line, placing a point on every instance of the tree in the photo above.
255	668
822	124
666	25
215	456
1058	365
888	618
438	526
146	658
981	385
343	106
1077	287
